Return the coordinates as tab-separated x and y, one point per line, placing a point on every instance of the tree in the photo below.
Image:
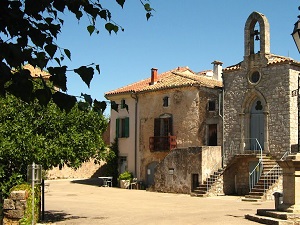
28	29
48	136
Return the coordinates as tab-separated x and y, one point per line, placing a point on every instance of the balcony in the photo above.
165	143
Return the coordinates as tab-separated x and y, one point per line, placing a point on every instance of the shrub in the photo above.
125	176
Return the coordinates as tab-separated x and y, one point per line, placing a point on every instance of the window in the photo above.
254	77
123	104
163	126
166	101
122	164
162	139
122	127
211	105
212	135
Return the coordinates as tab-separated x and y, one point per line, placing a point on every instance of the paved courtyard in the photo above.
84	202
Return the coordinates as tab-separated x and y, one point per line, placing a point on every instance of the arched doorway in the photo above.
257	125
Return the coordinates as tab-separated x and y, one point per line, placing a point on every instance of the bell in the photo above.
256	38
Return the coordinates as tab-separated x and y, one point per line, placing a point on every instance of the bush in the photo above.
125	176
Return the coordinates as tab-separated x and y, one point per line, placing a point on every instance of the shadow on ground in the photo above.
57	216
90	181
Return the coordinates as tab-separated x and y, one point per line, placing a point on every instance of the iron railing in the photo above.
164	143
255	174
273	174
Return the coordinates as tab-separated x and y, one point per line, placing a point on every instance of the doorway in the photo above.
150	173
256	126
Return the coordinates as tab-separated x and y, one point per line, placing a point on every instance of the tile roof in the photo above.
179	77
272	59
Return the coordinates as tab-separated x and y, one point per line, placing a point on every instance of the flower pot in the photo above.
124	184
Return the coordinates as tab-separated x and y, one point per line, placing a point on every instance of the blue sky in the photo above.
190	33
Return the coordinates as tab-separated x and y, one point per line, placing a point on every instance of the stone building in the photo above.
176	109
260	112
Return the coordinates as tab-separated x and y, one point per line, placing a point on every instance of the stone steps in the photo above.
203	189
271	216
258	191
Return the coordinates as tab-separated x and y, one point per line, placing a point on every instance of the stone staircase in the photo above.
271	216
203	189
268	177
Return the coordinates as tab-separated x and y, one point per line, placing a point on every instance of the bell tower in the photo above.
261	34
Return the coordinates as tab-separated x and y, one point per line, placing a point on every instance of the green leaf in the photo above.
114	106
51	49
83	106
87	98
91	29
64	101
86	74
98	68
121	2
99	106
147	7
111	27
148	15
43	96
68	53
103	14
58	77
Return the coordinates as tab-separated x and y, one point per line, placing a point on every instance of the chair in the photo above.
109	182
134	183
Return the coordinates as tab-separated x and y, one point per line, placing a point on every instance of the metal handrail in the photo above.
255	174
272	175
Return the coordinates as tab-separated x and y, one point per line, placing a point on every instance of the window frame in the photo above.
211	105
122	127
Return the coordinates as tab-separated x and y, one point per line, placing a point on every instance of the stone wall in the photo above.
280	109
87	170
174	173
236	175
14	207
188	107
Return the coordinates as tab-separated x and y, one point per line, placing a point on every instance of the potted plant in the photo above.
125	179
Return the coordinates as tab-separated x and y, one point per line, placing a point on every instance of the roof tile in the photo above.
179	77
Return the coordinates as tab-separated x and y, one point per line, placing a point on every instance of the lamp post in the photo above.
296	37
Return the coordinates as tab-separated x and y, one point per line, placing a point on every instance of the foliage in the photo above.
48	136
126	176
27	219
113	162
28	33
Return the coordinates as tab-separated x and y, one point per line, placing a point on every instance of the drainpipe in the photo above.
221	97
135	97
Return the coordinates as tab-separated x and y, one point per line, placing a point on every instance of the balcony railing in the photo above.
165	143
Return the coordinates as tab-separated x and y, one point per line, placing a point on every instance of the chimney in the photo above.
217	70
153	76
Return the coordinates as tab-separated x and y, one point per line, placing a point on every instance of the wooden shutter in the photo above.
117	127
156	127
126	120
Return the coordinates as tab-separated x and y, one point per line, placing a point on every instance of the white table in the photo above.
107	181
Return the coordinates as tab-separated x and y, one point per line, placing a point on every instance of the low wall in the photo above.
87	170
177	171
14	207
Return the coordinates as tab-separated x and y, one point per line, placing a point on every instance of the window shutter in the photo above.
117	127
170	123
156	127
127	127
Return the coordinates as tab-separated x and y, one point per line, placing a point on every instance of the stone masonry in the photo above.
175	173
189	125
14	207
